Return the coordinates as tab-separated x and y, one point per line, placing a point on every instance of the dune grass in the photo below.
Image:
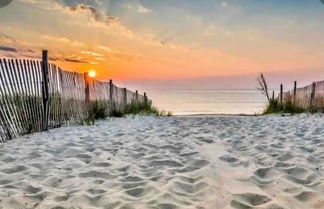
144	109
101	110
274	107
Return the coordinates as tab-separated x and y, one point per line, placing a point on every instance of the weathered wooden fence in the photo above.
308	97
37	96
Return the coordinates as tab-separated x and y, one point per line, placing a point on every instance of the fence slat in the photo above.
36	96
6	109
11	86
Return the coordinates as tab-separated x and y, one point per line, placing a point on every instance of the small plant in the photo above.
97	110
272	107
88	120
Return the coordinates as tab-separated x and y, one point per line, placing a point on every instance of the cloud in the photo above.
8	39
63	40
104	48
138	7
224	4
76	60
96	15
91	53
8	49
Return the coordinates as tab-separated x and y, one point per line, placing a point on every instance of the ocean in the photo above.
208	101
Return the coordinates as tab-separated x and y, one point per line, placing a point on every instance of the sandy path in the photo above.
176	162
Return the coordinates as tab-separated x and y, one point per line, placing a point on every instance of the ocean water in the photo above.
211	101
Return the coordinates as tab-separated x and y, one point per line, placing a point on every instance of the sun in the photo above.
92	74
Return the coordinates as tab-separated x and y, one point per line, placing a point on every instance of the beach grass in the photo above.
275	107
144	109
100	110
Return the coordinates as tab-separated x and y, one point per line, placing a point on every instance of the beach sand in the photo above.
202	162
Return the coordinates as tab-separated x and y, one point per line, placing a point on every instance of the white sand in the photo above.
176	162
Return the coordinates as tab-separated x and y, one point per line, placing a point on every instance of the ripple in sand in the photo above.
132	179
166	206
14	169
31	189
305	196
190	188
197	164
96	191
61	198
249	200
266	173
168	163
139	192
97	174
297	172
103	164
188	154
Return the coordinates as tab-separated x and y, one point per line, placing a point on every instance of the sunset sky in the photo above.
180	40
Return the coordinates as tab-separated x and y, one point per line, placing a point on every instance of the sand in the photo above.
201	162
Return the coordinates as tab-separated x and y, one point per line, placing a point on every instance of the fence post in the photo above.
61	118
125	97
295	92
87	89
136	97
281	94
111	93
45	93
145	98
312	98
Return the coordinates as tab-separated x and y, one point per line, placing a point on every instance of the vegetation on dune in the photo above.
97	110
144	109
101	110
274	107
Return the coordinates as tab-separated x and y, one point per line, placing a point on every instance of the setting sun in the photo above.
92	74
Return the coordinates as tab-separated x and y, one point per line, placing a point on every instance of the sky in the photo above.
172	43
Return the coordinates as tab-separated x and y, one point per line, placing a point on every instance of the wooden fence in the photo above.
36	96
308	97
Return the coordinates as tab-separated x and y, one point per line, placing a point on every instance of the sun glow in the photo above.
92	74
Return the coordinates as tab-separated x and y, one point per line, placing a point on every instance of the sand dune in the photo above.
215	162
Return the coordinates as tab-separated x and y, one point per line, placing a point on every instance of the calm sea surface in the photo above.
186	102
